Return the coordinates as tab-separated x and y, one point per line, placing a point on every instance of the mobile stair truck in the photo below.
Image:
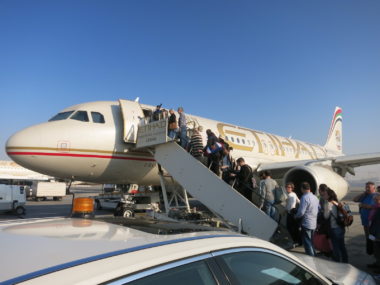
12	198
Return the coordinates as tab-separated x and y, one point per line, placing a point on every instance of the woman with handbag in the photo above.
172	125
332	212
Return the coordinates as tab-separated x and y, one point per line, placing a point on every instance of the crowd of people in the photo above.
308	216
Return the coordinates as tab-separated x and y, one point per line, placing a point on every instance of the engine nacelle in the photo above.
316	175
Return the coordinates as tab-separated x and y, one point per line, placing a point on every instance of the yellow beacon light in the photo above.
83	208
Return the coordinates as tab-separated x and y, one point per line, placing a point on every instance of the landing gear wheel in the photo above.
128	214
20	210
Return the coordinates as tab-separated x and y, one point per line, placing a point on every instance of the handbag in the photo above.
322	243
173	126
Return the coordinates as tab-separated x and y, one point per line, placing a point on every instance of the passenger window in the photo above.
188	274
243	141
227	138
80	116
257	267
237	139
61	116
232	139
97	117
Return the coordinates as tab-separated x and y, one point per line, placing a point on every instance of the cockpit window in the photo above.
80	116
97	117
61	116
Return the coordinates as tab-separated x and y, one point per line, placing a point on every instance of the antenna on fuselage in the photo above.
137	99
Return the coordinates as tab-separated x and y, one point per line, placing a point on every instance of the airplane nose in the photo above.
21	145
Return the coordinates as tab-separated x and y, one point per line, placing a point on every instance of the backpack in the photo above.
345	217
279	195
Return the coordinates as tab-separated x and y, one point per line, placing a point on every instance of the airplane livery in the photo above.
96	142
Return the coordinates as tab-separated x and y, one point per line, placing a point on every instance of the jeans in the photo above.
339	248
270	210
183	137
307	240
172	134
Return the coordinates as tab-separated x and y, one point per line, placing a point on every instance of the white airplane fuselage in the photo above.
97	152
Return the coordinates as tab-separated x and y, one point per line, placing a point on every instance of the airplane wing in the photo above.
345	163
357	160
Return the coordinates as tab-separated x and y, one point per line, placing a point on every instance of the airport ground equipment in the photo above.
12	198
40	191
203	184
126	200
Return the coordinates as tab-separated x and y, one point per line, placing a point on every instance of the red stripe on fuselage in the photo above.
79	155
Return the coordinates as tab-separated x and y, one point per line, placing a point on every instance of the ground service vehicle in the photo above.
12	198
40	191
115	250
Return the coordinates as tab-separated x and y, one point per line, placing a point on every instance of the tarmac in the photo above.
355	241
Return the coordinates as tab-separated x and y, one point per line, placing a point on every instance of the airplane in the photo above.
11	171
96	142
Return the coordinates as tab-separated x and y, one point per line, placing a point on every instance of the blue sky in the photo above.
278	66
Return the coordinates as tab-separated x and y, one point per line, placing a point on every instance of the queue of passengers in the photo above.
307	216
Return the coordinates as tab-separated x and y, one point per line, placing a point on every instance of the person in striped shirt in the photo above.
196	144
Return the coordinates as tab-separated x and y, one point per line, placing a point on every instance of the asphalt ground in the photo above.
355	241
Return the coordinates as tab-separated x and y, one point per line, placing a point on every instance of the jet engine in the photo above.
316	175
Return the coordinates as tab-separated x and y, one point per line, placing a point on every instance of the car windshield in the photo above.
61	116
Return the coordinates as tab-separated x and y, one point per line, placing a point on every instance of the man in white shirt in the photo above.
291	207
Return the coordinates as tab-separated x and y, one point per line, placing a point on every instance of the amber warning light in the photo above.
83	208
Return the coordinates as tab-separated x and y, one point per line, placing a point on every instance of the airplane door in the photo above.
132	115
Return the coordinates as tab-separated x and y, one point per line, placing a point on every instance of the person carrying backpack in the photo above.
332	213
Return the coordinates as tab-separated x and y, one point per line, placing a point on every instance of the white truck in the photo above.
13	198
40	191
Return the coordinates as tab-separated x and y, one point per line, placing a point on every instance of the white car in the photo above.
83	251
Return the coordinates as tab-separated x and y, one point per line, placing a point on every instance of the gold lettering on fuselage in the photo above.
301	147
288	142
222	132
313	150
235	133
273	143
280	145
258	140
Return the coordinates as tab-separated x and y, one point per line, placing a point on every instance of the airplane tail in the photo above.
334	139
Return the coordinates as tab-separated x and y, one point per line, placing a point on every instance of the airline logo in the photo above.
336	118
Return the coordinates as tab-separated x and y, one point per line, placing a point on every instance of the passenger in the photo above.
182	124
322	223
261	193
228	165
211	137
268	186
214	155
366	202
308	212
157	113
172	125
292	203
331	213
244	179
374	231
196	144
257	198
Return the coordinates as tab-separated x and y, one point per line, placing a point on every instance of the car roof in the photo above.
89	248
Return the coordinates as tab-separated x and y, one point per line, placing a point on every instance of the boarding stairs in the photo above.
193	176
